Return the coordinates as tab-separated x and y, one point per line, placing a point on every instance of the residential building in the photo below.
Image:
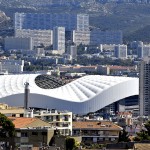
124	119
136	44
12	66
39	52
105	37
143	51
120	51
96	131
31	132
47	21
40	37
78	69
103	70
59	39
60	120
18	43
144	84
81	37
72	50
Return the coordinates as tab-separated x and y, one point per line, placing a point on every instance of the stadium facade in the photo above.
86	94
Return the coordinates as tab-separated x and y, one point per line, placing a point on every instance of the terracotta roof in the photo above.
22	122
142	146
104	125
121	67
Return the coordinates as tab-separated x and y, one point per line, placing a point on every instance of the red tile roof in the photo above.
103	125
21	122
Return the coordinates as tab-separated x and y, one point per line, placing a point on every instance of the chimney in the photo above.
26	95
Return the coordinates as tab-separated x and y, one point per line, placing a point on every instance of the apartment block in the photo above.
44	37
60	120
59	39
81	37
18	43
144	84
105	37
120	51
47	21
12	66
143	51
96	131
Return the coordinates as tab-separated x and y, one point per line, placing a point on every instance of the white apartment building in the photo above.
59	39
72	50
50	20
143	51
120	51
60	120
144	91
79	37
39	37
18	43
12	66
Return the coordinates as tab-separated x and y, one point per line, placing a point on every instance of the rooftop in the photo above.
96	125
21	122
142	146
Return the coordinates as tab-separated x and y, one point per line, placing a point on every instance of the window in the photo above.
21	115
24	134
13	115
44	133
34	133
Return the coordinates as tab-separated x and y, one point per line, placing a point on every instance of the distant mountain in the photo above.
130	16
3	20
142	34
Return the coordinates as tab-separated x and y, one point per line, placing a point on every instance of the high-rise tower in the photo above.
59	39
144	91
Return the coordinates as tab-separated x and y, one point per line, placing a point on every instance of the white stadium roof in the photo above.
88	93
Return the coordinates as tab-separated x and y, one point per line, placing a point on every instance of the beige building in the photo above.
39	37
97	132
11	111
81	37
31	132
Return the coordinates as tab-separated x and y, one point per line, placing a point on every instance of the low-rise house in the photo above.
31	132
60	120
96	131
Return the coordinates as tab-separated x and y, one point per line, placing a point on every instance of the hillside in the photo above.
131	18
142	34
4	20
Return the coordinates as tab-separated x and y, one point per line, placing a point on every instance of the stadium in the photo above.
83	95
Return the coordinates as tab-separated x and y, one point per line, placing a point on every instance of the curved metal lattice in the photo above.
48	82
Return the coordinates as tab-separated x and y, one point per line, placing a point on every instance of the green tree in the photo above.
141	136
147	126
123	136
70	143
7	127
144	134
